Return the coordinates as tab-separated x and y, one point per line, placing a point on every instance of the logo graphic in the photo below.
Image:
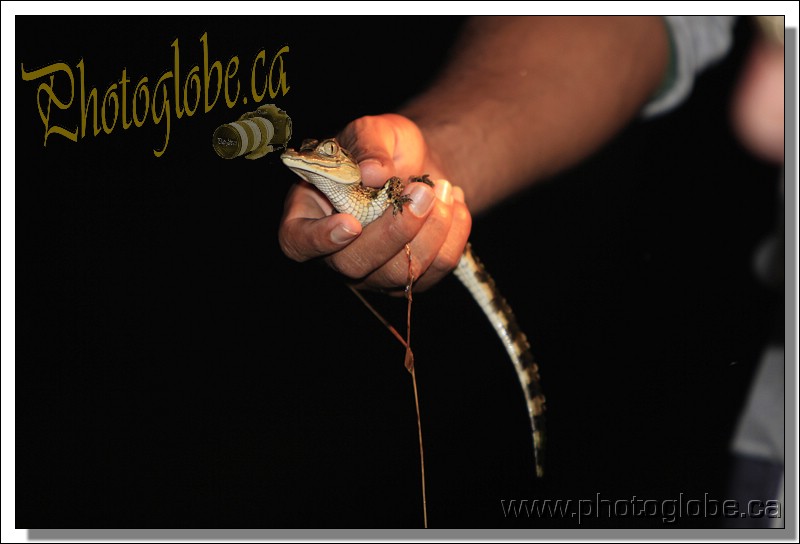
255	134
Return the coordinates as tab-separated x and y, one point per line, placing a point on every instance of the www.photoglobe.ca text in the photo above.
667	510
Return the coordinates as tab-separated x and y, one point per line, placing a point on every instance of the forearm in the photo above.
524	98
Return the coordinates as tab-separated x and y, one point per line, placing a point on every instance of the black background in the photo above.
174	369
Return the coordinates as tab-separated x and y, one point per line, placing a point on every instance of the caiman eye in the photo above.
329	148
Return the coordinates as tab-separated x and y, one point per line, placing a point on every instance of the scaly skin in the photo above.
333	171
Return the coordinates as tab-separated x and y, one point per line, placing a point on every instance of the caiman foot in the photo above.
395	187
421	179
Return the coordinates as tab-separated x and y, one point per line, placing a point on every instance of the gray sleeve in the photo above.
695	43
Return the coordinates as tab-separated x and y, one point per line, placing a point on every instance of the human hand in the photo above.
436	223
758	114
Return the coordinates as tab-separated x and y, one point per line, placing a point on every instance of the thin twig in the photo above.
421	454
409	364
375	312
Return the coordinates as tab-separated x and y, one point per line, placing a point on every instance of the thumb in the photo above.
304	238
307	232
372	141
376	169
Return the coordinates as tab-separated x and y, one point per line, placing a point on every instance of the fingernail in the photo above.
341	234
421	199
458	194
444	191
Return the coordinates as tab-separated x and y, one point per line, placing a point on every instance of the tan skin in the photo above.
758	105
505	113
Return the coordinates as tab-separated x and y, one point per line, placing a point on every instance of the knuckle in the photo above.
289	248
346	265
402	228
397	271
445	262
397	236
389	278
462	216
441	217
